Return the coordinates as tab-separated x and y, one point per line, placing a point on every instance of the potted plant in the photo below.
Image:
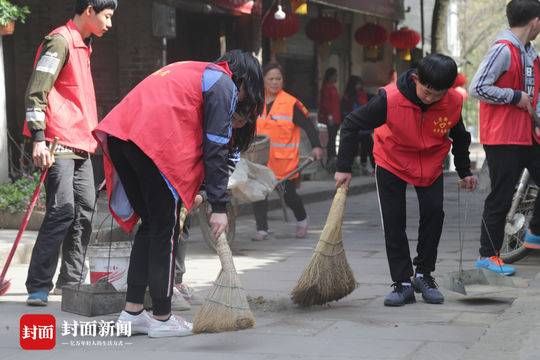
9	13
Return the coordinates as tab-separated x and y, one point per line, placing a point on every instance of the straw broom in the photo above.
328	276
226	307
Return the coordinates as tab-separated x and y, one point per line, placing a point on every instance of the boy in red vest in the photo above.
60	102
507	84
416	121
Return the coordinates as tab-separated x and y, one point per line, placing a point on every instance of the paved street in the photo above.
493	323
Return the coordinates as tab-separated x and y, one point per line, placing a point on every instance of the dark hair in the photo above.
437	71
246	71
520	12
350	89
97	5
271	66
329	73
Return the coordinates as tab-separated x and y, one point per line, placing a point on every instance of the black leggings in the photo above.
292	199
152	261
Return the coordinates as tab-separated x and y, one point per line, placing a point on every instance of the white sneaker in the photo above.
178	301
172	327
140	324
189	294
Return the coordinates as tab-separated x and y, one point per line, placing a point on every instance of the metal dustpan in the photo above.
457	280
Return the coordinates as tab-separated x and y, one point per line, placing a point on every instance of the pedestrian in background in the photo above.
329	110
282	118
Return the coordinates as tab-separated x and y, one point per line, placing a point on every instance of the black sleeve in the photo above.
461	140
219	104
366	117
301	120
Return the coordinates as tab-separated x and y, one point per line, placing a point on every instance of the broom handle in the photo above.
28	213
224	252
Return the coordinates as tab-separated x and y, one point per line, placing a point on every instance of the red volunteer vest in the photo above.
163	116
507	124
71	113
413	144
284	135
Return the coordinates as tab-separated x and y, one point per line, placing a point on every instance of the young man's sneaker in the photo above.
531	241
37	298
172	327
57	291
261	235
426	285
189	294
401	295
495	264
140	324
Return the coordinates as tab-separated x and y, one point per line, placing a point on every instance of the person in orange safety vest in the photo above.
281	121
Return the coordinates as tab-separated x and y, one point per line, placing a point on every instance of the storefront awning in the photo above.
390	9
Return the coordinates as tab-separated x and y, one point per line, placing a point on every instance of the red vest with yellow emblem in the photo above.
413	144
284	135
506	124
71	109
163	116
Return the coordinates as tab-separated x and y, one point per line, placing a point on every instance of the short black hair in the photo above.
437	71
246	70
97	5
520	12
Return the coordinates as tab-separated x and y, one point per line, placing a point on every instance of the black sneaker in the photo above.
428	287
402	294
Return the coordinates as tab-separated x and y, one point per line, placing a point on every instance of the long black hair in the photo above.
350	89
246	71
329	74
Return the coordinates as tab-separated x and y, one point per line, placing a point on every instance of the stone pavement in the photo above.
493	323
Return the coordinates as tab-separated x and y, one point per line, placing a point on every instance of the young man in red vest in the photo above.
507	84
414	121
175	130
60	102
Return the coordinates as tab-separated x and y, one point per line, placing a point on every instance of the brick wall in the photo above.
120	59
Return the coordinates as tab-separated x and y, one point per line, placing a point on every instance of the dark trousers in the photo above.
506	163
391	191
292	199
332	134
152	261
366	149
70	197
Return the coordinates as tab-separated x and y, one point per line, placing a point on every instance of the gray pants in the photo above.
180	259
70	195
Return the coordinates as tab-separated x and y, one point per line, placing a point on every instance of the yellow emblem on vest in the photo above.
441	125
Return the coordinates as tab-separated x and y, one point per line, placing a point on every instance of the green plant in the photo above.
10	12
15	196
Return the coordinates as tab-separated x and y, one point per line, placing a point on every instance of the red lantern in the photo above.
461	80
405	39
371	35
324	29
280	29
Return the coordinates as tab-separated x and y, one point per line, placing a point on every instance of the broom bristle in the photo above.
226	308
328	276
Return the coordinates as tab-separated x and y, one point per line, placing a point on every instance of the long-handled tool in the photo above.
456	281
5	284
280	186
